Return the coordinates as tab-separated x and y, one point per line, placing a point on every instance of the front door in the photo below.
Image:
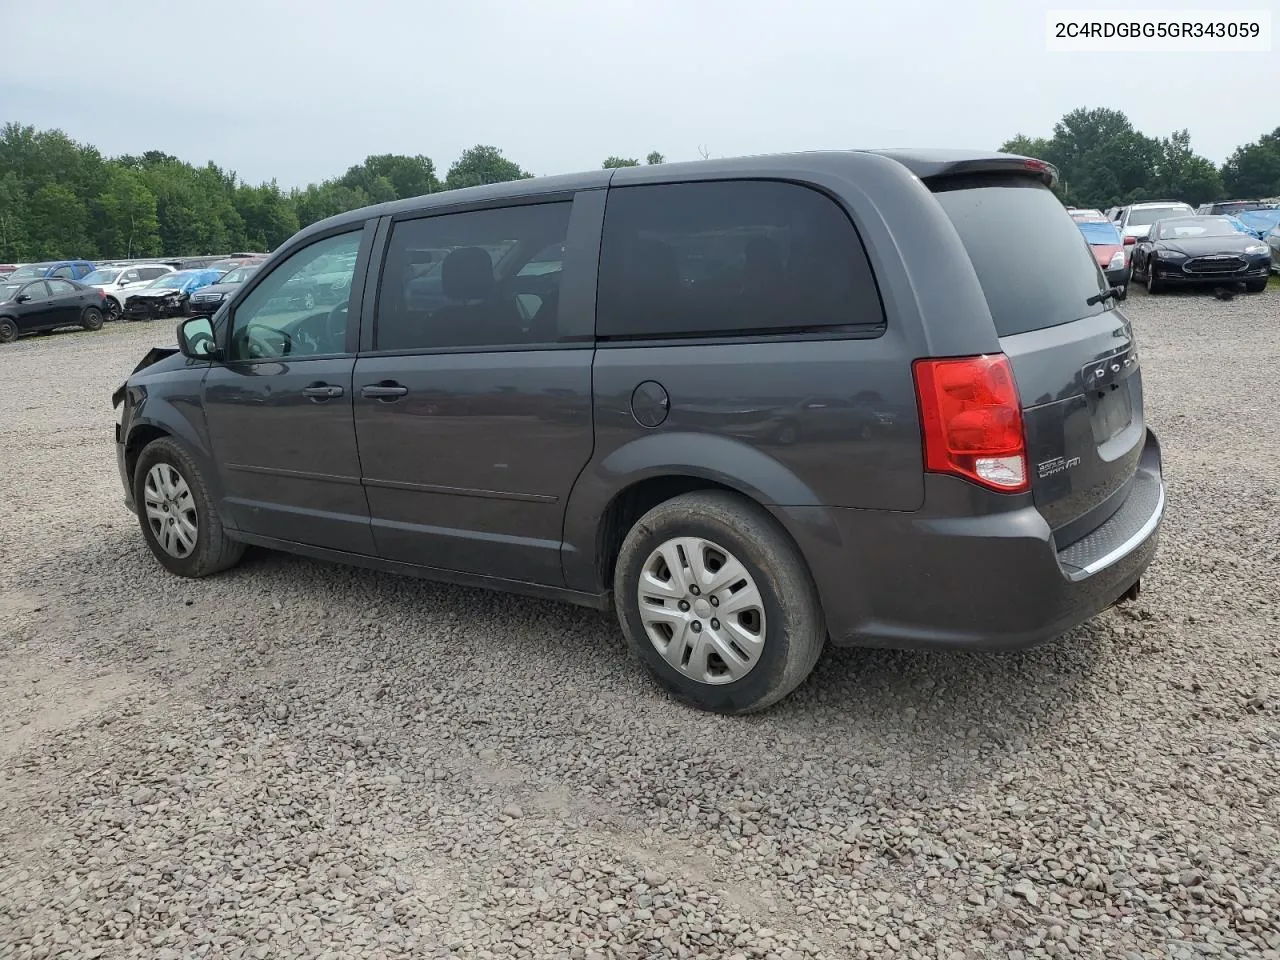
66	302
473	401
279	407
38	311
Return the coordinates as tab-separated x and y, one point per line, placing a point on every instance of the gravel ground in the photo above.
294	759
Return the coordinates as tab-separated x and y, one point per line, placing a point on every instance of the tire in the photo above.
1154	286
113	309
1255	286
91	319
212	551
1124	293
791	634
8	330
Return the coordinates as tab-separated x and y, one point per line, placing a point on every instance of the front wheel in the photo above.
1153	285
91	319
1124	292
1256	286
177	515
113	309
717	603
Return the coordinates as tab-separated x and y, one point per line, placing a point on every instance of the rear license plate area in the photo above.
1112	411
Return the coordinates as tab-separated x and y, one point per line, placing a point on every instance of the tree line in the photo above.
1103	161
60	198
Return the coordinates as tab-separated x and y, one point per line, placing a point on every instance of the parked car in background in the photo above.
1135	220
1185	251
1273	242
63	269
208	299
1086	213
230	263
118	282
1108	248
1259	222
964	465
167	296
1232	207
33	306
6	269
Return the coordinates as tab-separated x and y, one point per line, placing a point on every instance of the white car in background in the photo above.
117	282
1134	220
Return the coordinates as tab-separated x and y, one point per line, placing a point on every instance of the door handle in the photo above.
386	391
322	391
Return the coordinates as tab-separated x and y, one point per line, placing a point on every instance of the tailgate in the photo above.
1081	388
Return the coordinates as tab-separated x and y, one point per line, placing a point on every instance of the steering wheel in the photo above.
335	326
260	348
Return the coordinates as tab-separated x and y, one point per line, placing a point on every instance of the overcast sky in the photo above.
301	90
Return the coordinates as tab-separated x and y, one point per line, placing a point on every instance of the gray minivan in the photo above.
877	398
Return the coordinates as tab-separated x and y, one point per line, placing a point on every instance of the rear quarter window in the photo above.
732	258
1034	265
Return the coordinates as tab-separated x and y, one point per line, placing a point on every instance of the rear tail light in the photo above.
1130	241
972	421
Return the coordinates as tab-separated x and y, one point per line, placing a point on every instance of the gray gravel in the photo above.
299	760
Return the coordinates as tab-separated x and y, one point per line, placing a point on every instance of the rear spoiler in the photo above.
929	165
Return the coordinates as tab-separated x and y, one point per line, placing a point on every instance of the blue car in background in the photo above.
167	296
63	269
1258	222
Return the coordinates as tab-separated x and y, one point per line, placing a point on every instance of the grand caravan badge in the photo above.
1057	465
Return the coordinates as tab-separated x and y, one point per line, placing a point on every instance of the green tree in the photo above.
1253	170
483	164
269	217
125	214
1036	147
1181	174
655	157
58	224
614	162
1101	158
13	214
390	176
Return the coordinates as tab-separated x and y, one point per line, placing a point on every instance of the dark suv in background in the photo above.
754	405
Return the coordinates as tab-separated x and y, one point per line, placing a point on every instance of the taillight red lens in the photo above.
972	421
1130	241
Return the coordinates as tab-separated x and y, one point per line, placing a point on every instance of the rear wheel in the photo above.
91	319
717	603
177	515
1256	286
8	330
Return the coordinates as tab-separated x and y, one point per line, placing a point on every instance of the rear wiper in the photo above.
1109	294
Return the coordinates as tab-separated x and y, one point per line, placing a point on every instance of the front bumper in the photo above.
201	308
1173	272
122	464
138	308
949	577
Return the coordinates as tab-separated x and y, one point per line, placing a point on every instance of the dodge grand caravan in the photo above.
878	398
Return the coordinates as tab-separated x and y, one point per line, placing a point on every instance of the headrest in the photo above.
467	274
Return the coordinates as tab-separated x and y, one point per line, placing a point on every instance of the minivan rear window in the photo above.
1035	267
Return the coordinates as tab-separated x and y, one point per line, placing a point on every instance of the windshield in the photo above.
1012	229
1197	227
8	290
100	277
1145	216
31	272
1100	232
239	275
1235	206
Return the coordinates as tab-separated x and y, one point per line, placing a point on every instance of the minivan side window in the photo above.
301	307
483	278
731	258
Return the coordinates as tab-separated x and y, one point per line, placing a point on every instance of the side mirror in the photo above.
22	298
195	339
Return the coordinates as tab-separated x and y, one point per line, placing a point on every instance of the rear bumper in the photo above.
1118	277
950	577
